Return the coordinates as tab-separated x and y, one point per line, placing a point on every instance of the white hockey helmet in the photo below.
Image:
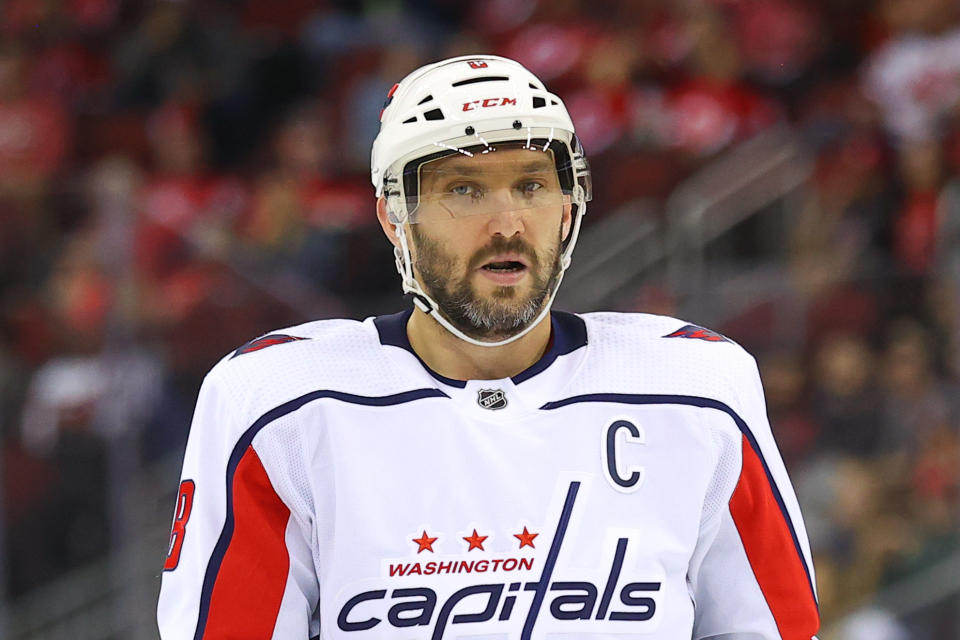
471	105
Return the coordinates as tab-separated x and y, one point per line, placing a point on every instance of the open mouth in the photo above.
506	269
506	266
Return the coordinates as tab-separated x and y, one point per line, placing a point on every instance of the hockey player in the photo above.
477	466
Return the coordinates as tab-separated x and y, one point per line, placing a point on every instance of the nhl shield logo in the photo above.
492	399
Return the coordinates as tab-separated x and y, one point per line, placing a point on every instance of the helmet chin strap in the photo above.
426	304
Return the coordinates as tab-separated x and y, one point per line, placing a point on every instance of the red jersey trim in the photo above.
765	534
249	587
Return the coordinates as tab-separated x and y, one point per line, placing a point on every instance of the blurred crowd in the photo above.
179	177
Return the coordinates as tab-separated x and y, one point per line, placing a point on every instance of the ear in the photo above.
384	218
566	222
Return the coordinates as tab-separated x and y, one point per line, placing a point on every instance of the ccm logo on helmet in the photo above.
489	102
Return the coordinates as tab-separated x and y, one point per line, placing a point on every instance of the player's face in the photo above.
488	240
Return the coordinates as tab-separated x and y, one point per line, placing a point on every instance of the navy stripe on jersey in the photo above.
541	585
708	403
393	332
245	440
569	333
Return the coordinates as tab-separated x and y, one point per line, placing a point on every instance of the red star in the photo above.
526	538
476	541
425	542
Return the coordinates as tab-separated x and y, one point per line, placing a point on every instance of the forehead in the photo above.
500	162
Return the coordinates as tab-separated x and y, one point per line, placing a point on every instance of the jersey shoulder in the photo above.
640	324
343	356
645	330
646	353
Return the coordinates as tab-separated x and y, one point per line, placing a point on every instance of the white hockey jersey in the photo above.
626	485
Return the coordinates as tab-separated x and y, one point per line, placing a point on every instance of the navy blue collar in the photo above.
568	333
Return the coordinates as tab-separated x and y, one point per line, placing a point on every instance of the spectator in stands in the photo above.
845	402
917	224
187	214
712	107
303	212
916	401
35	132
915	75
787	389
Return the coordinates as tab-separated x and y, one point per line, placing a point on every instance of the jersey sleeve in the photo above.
239	563
751	576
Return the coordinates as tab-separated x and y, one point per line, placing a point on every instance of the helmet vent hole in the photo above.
425	100
409	120
553	102
539	102
433	114
476	80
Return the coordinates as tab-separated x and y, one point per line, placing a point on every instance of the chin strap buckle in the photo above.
422	302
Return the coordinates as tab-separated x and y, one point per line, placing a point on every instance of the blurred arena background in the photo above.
177	178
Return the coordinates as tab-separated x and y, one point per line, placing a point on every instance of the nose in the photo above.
507	218
506	223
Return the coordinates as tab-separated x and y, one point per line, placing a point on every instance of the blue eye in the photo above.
531	187
467	191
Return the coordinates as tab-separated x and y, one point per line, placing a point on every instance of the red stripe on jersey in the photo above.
766	537
253	575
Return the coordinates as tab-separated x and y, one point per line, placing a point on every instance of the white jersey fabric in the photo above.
625	486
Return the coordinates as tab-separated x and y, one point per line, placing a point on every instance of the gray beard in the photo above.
490	319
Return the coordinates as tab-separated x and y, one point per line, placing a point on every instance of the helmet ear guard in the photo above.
471	106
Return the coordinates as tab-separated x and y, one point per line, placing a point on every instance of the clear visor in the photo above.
531	176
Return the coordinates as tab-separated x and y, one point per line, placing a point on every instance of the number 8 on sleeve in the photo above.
180	518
